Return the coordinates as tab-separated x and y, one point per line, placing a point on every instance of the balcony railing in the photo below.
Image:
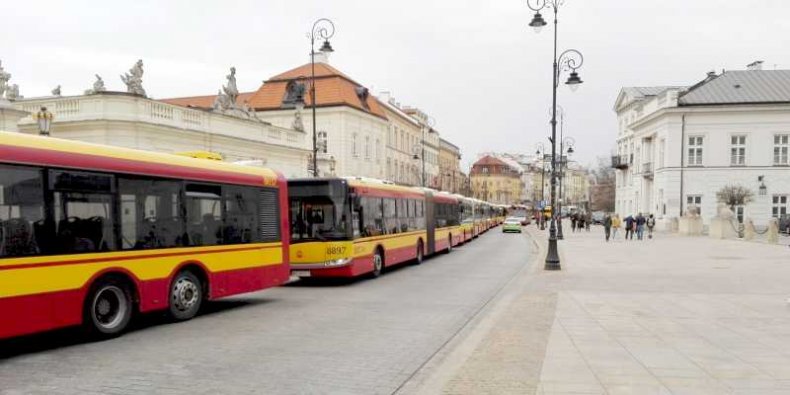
620	162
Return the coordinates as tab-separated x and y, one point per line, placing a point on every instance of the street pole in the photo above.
423	156
541	152
569	62
562	178
323	28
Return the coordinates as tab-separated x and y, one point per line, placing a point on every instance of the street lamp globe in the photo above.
574	81
537	22
326	48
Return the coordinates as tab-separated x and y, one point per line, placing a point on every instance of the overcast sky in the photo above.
474	65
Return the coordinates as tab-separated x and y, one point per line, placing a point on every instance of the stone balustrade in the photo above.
122	107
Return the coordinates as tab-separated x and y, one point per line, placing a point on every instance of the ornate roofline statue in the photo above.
134	79
4	78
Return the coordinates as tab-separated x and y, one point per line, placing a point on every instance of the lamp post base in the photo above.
552	256
559	229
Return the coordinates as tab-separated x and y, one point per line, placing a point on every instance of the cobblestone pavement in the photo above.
364	337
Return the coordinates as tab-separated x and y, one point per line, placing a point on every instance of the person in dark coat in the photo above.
573	222
629	227
640	226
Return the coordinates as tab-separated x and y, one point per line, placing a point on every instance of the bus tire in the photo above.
449	244
378	263
186	296
108	307
420	253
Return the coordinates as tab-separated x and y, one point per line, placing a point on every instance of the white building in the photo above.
678	146
133	121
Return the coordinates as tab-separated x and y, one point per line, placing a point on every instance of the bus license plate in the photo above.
301	273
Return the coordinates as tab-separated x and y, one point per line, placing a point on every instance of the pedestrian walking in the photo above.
587	221
573	222
580	222
651	223
629	227
615	225
607	226
640	226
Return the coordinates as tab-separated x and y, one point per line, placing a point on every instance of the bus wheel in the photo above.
186	296
449	244
419	258
378	263
108	308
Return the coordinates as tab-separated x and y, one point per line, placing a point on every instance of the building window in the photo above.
695	151
323	142
739	214
354	148
779	207
694	200
367	147
377	150
737	150
780	149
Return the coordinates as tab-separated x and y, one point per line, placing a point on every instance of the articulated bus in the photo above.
347	227
92	234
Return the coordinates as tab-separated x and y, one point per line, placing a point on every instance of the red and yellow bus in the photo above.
91	234
351	227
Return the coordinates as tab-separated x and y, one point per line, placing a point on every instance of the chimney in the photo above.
321	57
756	65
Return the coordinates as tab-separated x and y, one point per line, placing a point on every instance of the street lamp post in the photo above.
322	29
569	142
541	152
427	125
572	60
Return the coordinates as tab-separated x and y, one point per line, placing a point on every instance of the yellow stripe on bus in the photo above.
67	273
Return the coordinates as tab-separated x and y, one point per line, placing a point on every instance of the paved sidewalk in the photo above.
671	315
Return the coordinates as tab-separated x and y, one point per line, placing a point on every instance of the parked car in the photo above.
597	217
511	224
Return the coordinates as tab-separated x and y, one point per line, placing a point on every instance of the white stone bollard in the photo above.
773	231
748	231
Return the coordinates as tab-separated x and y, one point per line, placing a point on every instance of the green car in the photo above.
511	224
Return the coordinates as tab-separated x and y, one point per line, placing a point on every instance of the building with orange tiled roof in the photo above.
357	133
495	180
351	124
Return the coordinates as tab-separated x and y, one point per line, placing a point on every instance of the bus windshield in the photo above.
320	211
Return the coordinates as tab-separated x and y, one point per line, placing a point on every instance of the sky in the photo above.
475	66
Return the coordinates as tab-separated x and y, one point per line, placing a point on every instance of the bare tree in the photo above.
602	188
734	195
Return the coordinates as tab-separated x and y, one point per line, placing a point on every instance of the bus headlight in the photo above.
338	262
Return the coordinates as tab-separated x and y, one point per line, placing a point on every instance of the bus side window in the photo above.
391	216
403	215
23	229
151	215
84	211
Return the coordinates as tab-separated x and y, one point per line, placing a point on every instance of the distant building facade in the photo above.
451	178
496	181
